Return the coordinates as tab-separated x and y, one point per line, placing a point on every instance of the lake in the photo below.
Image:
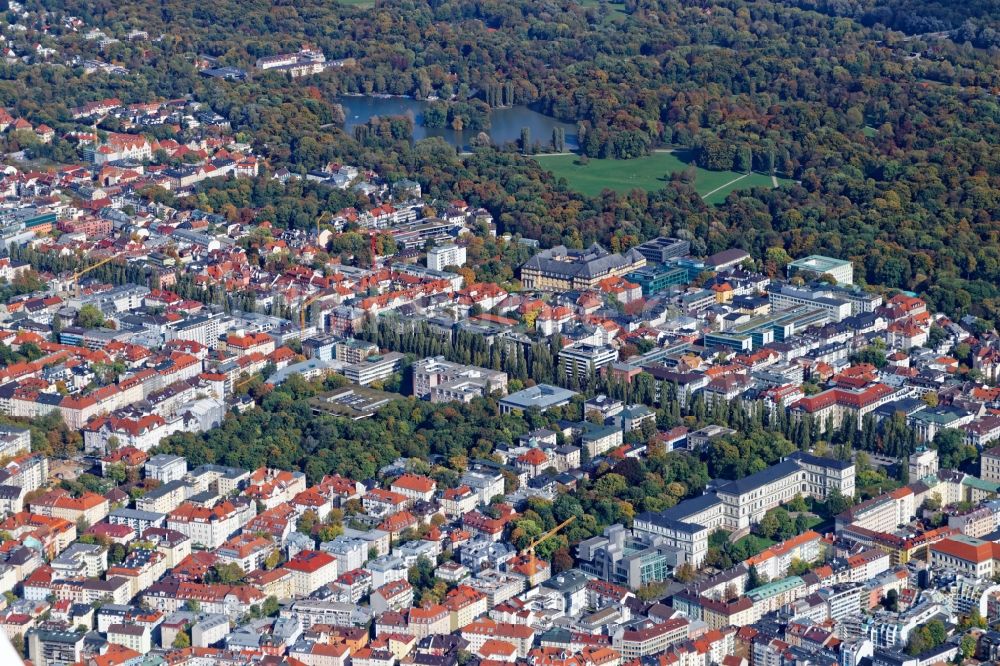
505	124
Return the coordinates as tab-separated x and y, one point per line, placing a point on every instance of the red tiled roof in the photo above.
309	561
415	483
965	550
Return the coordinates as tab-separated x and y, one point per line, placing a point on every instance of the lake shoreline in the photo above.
506	123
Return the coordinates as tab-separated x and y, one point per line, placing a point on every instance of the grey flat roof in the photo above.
137	514
819	263
9	429
727	256
165	489
541	395
573	579
163	459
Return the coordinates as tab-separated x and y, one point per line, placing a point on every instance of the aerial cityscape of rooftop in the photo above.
479	333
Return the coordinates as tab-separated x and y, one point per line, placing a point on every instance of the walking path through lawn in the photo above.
722	187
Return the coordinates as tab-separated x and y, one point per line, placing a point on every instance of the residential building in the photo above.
428	620
209	528
209	631
572	586
14	441
309	612
486	484
165	468
54	647
598	439
165	497
311	570
440	256
464	604
479	632
582	359
133	636
81	559
650	638
248	551
353	351
58	503
394	596
458	501
414	487
989	465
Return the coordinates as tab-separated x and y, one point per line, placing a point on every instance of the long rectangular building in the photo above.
374	368
562	269
834	405
746	500
766	329
443	381
741	503
784	297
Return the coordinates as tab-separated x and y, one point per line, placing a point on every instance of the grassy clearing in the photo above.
651	172
617	9
361	4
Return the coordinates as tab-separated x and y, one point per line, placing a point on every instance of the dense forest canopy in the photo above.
890	133
974	20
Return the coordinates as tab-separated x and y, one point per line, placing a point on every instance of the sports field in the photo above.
651	172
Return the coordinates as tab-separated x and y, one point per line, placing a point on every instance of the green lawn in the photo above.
813	521
358	3
646	173
617	12
758	544
869	131
35	164
752	180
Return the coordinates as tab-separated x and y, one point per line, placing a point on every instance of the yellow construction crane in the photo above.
305	306
530	550
242	382
78	274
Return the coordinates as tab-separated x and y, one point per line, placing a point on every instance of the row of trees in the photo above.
764	438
